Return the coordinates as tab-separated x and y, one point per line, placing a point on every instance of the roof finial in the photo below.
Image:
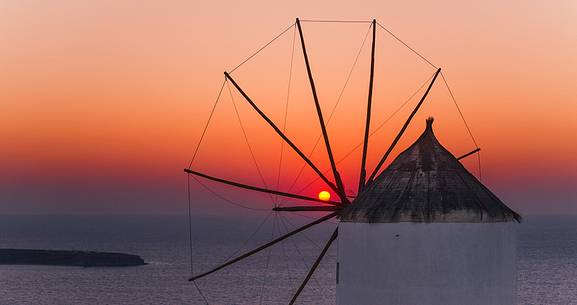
430	122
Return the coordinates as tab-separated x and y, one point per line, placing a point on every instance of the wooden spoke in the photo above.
259	189
279	239
308	209
340	186
469	153
398	137
315	265
363	173
283	136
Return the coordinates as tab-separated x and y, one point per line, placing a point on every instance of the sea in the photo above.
547	253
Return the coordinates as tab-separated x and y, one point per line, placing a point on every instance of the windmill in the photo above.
422	229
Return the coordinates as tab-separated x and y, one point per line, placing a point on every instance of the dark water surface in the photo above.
547	260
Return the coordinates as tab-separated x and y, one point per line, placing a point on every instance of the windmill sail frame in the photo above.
335	208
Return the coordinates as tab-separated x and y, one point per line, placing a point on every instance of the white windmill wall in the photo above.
426	264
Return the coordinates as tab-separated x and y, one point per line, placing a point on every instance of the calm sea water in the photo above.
547	261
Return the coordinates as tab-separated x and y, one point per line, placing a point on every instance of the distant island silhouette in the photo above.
68	258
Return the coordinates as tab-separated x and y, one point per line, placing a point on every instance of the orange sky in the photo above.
103	101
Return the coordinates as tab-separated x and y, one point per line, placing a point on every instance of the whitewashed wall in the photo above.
427	264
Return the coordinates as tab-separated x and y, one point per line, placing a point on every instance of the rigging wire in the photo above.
304	235
465	122
406	45
262	48
334	21
372	132
200	292
286	112
248	142
190	237
207	123
189	225
268	255
334	107
286	257
319	288
249	238
459	109
216	194
190	241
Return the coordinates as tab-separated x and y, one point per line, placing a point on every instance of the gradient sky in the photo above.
103	101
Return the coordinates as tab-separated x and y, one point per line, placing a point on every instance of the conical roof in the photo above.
426	183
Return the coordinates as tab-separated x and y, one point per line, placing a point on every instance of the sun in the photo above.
324	196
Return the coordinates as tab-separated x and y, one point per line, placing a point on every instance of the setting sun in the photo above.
324	196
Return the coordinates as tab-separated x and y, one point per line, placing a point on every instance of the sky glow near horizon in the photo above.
104	101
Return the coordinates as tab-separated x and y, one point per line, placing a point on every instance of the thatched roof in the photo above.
426	183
